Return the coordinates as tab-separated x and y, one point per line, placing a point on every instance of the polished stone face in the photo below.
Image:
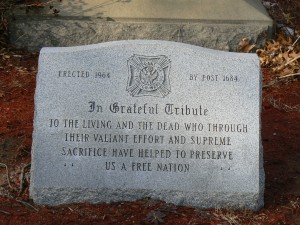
124	120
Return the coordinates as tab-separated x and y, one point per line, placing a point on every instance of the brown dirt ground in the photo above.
280	135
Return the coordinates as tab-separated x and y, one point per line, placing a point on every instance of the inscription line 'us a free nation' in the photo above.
126	120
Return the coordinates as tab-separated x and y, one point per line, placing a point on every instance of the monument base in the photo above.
33	33
212	24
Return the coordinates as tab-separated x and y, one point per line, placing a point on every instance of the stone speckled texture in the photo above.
147	76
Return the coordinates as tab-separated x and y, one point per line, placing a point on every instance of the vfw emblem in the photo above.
148	76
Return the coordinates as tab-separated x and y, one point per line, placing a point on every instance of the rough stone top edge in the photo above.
170	44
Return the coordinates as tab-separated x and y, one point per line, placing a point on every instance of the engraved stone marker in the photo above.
124	120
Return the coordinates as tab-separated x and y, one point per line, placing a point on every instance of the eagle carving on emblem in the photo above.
148	76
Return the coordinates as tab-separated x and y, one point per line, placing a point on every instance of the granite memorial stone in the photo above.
124	120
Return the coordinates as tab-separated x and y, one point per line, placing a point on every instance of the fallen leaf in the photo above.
245	46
